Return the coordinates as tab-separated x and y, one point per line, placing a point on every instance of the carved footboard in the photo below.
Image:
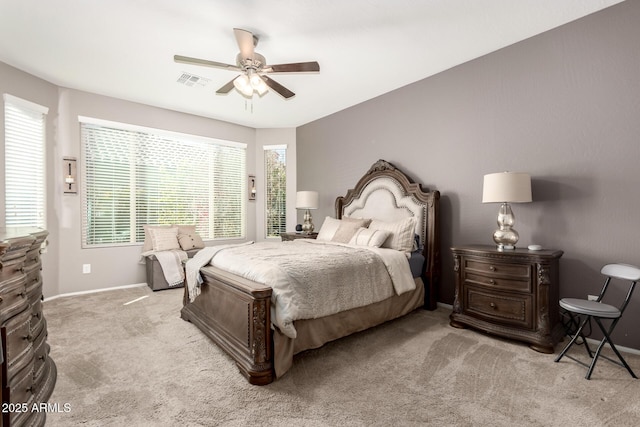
235	314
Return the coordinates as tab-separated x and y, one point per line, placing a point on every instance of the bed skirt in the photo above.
314	333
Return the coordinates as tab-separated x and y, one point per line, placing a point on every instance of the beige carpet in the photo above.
141	365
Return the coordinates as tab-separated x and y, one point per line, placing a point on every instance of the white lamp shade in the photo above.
307	200
510	187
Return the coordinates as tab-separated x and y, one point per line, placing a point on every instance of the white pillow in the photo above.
328	229
402	231
369	237
164	239
148	245
340	230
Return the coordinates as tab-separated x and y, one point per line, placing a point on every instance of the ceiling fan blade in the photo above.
205	62
226	88
298	67
283	91
246	42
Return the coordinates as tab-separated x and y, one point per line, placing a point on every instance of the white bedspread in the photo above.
343	276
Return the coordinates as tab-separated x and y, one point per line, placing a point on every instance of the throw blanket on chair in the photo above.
171	263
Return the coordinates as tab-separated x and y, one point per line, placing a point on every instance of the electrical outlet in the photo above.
86	268
592	297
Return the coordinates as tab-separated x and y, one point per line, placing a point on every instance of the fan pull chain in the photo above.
245	105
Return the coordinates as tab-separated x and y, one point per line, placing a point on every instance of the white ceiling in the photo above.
125	48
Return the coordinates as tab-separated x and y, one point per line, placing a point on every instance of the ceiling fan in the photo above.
254	68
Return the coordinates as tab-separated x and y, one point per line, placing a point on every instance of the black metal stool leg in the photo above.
573	340
613	347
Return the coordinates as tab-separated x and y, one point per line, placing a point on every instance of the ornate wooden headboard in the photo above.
386	193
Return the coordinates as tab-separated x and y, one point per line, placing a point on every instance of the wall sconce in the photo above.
69	173
252	187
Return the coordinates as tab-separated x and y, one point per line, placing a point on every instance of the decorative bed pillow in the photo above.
164	239
345	231
402	232
190	241
330	230
185	228
148	245
369	237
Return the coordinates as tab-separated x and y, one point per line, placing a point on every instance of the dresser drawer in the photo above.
10	267
498	283
13	298
22	392
37	318
41	351
33	256
509	309
32	273
498	268
19	342
34	289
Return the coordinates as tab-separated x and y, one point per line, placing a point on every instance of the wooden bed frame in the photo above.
235	313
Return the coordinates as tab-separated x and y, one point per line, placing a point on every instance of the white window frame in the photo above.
25	136
268	187
139	137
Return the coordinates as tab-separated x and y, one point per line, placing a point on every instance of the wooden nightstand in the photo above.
293	236
513	294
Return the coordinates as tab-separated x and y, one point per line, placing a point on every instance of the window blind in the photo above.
24	163
135	176
276	190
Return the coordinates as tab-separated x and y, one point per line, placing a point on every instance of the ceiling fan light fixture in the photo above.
259	85
243	85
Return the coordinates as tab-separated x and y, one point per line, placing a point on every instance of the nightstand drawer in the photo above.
495	282
499	269
513	310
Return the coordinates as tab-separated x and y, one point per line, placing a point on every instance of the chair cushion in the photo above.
590	308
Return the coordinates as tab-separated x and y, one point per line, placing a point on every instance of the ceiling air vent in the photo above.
191	80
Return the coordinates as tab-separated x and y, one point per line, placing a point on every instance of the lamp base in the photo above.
505	236
501	247
307	226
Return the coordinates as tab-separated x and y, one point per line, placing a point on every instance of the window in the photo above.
24	151
275	166
134	176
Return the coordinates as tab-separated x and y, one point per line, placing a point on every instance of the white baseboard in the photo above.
589	340
73	294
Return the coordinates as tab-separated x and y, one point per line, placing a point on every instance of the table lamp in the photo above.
307	200
505	188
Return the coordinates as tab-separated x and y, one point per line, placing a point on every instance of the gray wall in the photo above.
563	106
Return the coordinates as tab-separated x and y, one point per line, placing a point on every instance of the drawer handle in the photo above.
492	282
22	294
1	300
492	268
28	337
38	314
41	357
493	305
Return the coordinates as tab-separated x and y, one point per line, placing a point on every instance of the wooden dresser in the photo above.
28	373
513	294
